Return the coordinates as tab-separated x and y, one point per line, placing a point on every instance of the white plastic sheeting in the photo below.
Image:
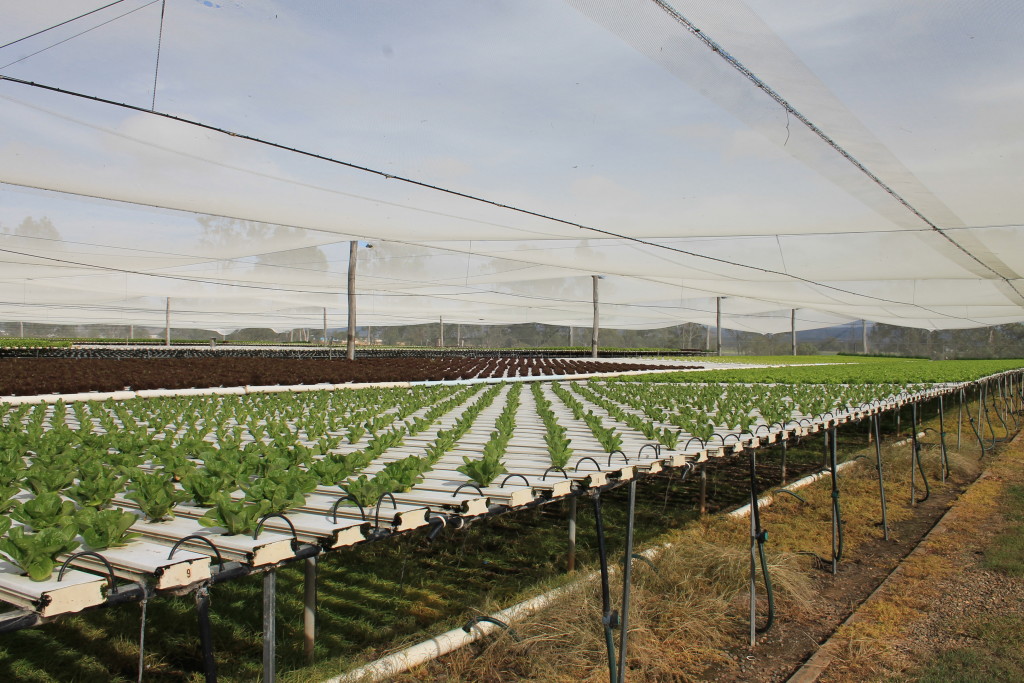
859	161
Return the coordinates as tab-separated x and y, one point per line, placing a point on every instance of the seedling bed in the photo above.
30	376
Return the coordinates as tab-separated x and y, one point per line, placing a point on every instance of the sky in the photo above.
609	115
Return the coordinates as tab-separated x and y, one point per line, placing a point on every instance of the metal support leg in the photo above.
627	575
783	462
913	457
703	489
269	625
309	610
837	528
205	636
572	535
609	619
753	550
881	479
959	420
942	440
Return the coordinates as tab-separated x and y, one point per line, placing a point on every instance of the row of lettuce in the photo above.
91	473
848	370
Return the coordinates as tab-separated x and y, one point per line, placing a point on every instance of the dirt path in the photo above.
941	610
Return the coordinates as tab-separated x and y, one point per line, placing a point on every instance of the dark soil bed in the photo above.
28	376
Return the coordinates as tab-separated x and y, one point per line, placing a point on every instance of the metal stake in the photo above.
205	637
959	420
309	610
942	439
269	625
627	574
913	455
609	618
784	462
881	481
572	535
753	550
703	489
837	533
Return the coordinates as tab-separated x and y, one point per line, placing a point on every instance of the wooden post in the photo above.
718	324
353	246
792	329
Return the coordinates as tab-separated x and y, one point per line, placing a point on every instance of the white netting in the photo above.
617	115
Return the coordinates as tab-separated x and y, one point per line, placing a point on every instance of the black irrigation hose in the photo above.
920	468
609	618
760	536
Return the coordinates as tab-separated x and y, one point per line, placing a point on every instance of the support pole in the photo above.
718	325
627	576
441	340
959	419
864	336
269	626
881	480
571	563
353	247
913	454
309	609
131	331
325	327
837	530
942	439
784	449
703	489
597	320
205	637
21	329
753	549
167	323
792	329
609	619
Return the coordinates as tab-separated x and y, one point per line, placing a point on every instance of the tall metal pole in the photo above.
792	329
21	329
718	324
325	327
442	332
167	323
597	321
864	335
353	246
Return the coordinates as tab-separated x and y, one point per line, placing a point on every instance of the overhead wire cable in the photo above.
80	33
821	134
68	21
460	194
159	44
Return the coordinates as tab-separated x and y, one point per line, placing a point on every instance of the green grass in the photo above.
998	656
1006	552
